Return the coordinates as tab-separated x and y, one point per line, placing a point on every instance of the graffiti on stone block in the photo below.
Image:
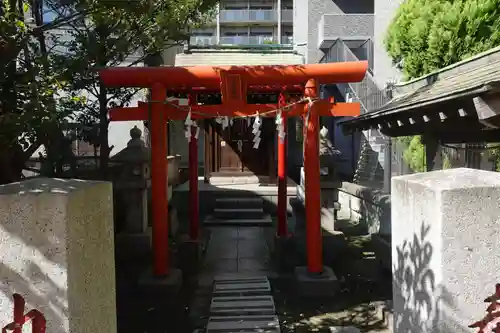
38	323
491	321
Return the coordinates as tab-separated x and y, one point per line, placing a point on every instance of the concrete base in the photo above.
190	254
159	286
283	252
310	285
128	245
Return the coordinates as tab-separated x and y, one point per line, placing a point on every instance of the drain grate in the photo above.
242	305
247	324
244	286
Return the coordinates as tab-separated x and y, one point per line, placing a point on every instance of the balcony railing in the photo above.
203	40
247	15
287	40
246	40
238	40
352	26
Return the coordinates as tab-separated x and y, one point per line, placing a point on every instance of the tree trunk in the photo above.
103	108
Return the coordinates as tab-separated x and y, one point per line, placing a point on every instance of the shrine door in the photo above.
237	153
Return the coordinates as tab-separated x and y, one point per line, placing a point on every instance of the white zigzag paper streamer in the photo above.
256	131
280	126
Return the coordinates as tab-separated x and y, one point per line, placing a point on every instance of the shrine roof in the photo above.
456	83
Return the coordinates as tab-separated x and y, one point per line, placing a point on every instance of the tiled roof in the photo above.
467	78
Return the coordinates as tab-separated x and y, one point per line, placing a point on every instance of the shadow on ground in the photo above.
365	290
141	312
364	299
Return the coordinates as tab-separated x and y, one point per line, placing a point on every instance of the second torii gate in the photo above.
234	82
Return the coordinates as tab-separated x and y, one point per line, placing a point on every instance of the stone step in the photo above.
243	286
237	180
240	277
238	213
264	221
242	305
242	202
246	324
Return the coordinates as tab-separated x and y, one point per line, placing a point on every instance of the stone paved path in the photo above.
236	250
231	250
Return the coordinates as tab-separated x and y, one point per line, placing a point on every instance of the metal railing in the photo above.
287	40
246	40
203	40
248	15
367	91
238	40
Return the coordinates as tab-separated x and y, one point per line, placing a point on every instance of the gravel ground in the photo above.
364	294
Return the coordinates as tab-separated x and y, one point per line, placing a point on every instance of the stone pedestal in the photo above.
329	198
445	236
334	242
283	252
316	285
57	251
157	288
190	254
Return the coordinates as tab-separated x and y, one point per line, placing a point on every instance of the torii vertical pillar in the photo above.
194	214
312	185
315	279
164	279
189	249
159	181
282	175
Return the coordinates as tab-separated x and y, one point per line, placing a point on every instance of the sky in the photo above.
48	16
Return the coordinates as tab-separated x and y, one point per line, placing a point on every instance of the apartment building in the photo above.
244	32
248	22
351	30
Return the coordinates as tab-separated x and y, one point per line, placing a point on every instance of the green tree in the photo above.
28	116
47	81
108	38
426	35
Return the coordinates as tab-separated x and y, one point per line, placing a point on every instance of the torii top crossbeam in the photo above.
209	77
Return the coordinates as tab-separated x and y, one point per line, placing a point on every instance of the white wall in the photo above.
384	70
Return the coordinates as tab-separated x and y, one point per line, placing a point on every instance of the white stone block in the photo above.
445	236
57	251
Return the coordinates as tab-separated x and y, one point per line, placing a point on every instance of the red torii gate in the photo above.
234	82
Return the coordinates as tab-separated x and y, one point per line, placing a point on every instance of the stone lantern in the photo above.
131	184
330	184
